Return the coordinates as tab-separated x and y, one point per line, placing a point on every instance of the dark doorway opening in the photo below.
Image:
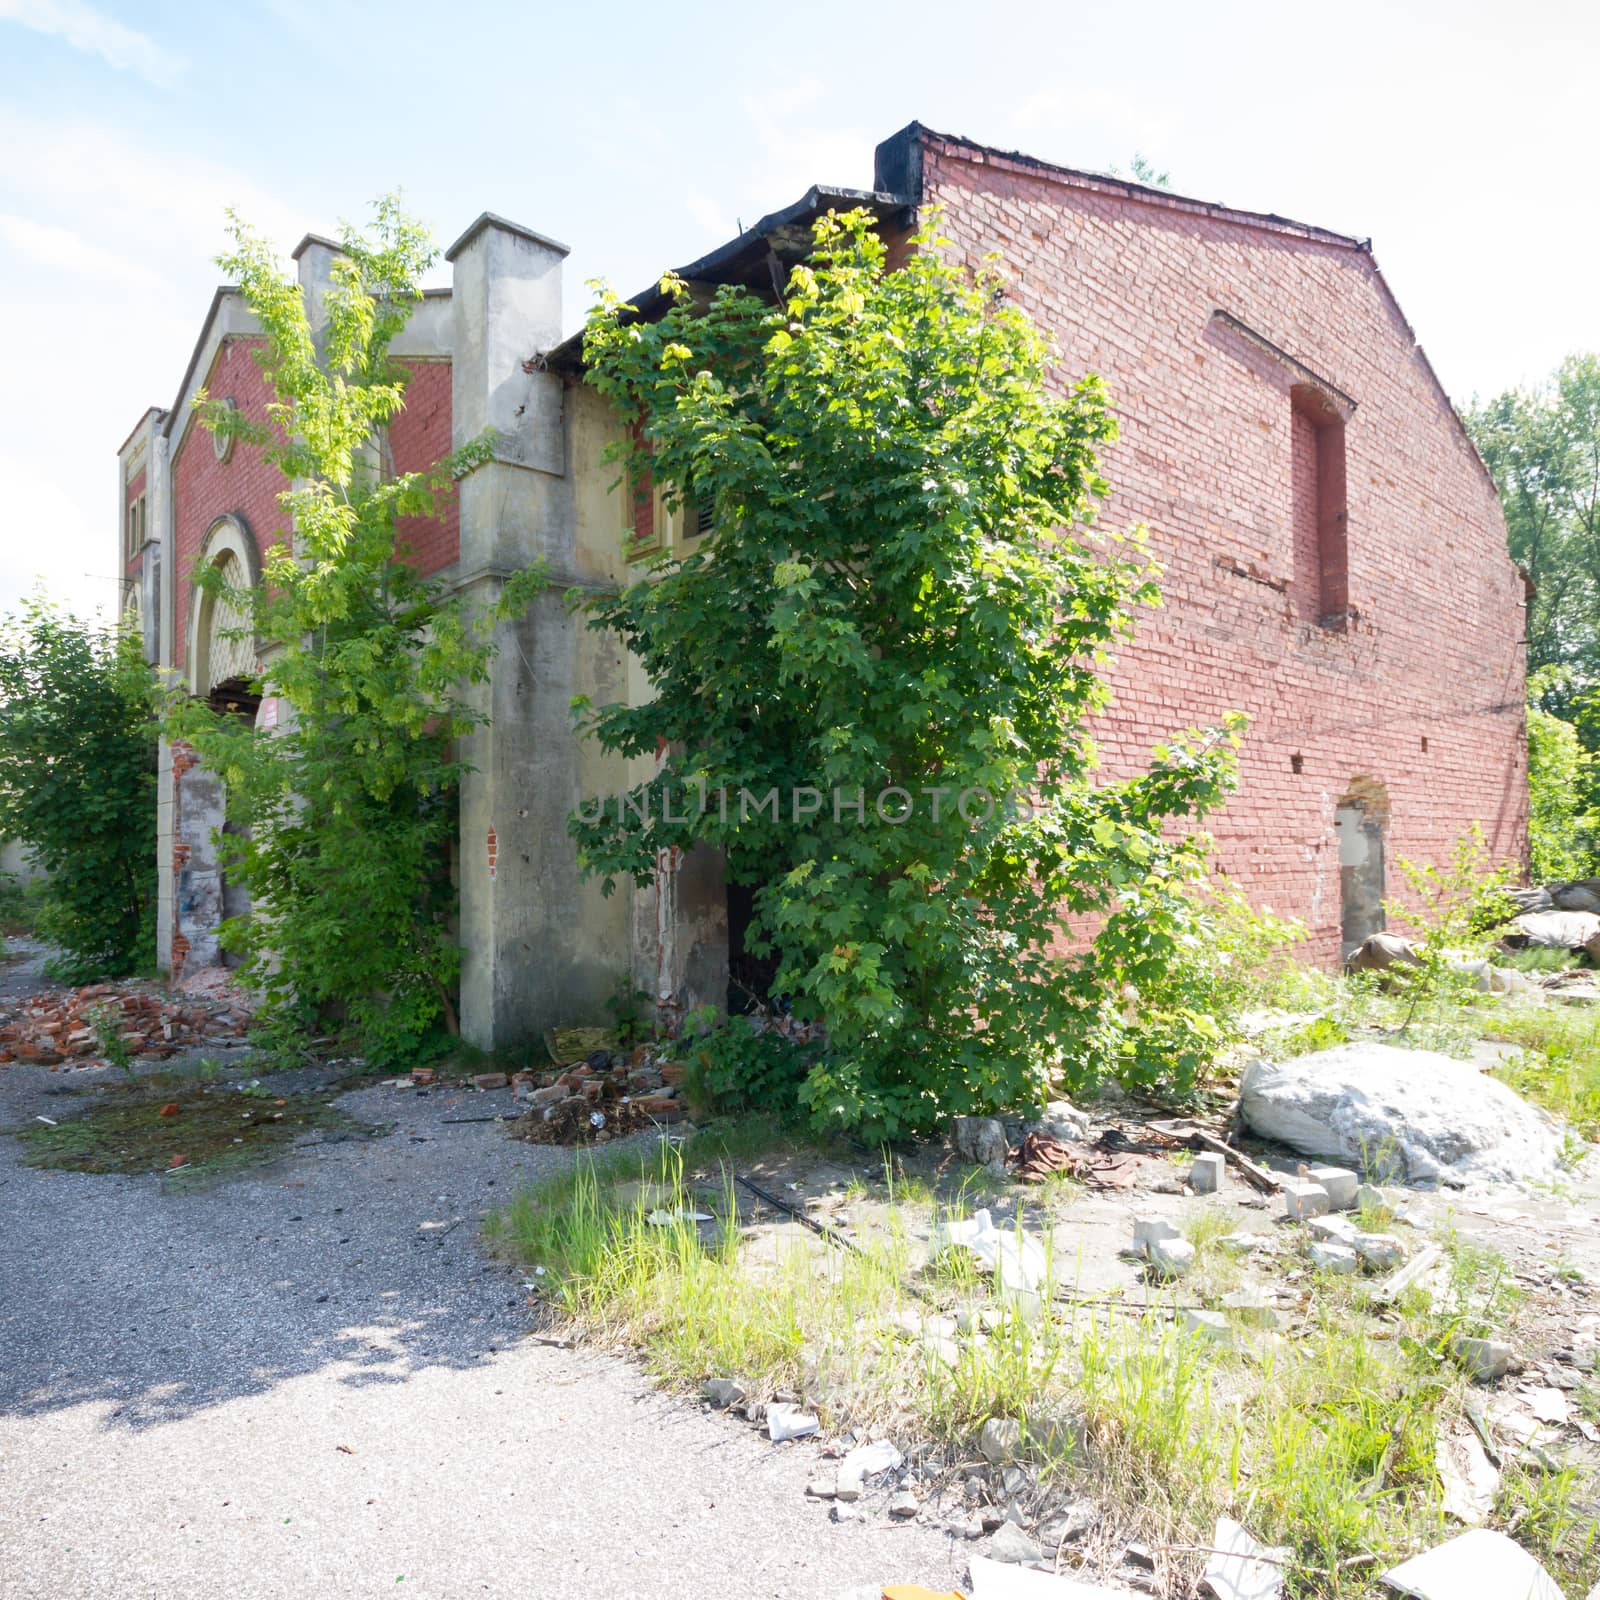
750	976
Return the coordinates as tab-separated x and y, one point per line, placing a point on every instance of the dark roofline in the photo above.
899	157
898	160
485	219
740	253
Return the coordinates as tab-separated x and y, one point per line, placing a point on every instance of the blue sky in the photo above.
1459	136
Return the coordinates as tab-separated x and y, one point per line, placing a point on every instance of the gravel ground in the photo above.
288	1386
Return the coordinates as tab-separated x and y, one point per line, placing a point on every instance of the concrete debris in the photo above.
1069	1525
1146	1230
1012	1253
1250	1305
64	1030
1341	1184
1239	1568
1369	1197
839	1511
982	1141
823	1487
1331	1257
1333	1230
1211	1326
903	1505
1483	1360
1411	1114
1380	1251
1471	1481
1011	1545
1552	930
1413	1272
724	1392
1302	1200
1243	1244
1207	1175
1001	1440
1479	1565
786	1421
1170	1258
1063	1120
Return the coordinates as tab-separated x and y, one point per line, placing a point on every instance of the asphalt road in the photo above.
288	1386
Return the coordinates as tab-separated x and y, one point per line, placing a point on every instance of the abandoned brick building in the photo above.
1334	553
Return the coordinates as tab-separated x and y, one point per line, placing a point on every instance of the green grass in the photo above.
1323	1441
1560	1066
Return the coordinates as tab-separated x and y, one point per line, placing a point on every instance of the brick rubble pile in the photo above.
623	1089
58	1030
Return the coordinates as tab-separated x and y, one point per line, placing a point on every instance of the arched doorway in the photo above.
221	660
1359	823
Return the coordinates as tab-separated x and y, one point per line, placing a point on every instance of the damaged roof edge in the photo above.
818	199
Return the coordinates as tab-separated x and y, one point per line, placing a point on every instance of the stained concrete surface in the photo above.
287	1385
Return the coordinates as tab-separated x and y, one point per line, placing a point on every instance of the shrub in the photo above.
899	596
78	786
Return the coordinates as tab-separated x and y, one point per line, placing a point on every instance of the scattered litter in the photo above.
663	1218
785	1421
1015	1254
724	1392
48	1121
1549	1405
1470	1479
1241	1569
1397	1283
993	1581
1479	1565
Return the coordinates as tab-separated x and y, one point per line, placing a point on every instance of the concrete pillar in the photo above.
541	948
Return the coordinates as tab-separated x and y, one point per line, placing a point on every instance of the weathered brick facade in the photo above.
1210	329
1334	555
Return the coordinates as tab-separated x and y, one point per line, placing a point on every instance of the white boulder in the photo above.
1408	1114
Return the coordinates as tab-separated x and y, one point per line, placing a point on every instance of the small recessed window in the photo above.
1424	744
1297	763
1320	515
705	515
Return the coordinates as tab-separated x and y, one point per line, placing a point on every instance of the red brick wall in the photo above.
418	437
1210	458
204	488
245	485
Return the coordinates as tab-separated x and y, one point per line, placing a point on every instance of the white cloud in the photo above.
61	248
96	34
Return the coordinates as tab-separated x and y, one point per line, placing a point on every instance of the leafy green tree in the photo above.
1542	446
1562	830
349	804
77	785
900	614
